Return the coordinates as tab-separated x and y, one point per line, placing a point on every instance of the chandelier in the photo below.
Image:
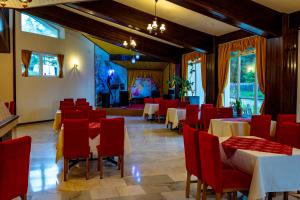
154	26
131	45
24	3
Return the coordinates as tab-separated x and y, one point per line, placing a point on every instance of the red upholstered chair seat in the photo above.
14	168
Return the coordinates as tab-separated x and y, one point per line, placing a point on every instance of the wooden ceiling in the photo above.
114	22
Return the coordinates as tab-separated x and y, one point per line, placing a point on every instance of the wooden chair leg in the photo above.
285	196
235	195
66	168
122	166
87	163
100	164
218	196
204	191
188	185
119	163
198	194
24	197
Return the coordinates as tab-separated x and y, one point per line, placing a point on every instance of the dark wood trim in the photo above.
131	17
106	32
119	57
294	20
236	35
4	31
14	61
244	14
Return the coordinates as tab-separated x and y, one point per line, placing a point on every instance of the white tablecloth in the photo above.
271	172
150	109
174	115
93	144
223	128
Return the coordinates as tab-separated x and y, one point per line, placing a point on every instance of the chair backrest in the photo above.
70	100
148	100
183	104
225	112
209	113
202	114
260	126
82	103
85	109
74	114
12	108
81	100
288	133
14	167
191	150
65	104
172	103
112	137
210	158
96	115
157	100
76	138
286	118
192	112
162	107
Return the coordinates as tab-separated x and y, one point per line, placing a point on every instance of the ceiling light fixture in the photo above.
24	3
154	26
131	45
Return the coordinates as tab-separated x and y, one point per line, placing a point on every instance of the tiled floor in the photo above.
154	170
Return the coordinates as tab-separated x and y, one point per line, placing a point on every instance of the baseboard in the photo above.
35	122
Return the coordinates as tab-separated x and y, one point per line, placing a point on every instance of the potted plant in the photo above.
184	85
238	107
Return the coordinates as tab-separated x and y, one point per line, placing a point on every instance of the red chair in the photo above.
76	143
191	119
162	110
70	100
222	180
14	168
288	133
192	159
85	109
202	114
81	103
209	113
225	112
74	114
183	104
172	103
111	142
96	115
65	104
260	126
286	118
81	100
12	108
64	110
7	105
148	100
157	100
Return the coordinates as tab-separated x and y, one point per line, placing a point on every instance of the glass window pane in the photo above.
50	65
192	78
247	82
34	66
38	26
233	79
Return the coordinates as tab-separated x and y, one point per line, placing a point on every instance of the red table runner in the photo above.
94	129
254	144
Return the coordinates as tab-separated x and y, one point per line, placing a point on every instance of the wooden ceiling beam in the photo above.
244	14
106	32
129	17
142	58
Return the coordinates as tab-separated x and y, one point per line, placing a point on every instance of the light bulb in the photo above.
137	56
133	61
133	44
162	28
154	24
125	44
149	28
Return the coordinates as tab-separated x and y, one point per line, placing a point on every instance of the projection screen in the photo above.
298	87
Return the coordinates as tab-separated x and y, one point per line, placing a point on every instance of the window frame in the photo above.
256	84
41	65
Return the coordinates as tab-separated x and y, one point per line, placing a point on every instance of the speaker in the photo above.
124	98
105	100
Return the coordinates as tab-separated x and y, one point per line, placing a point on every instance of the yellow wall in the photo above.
6	71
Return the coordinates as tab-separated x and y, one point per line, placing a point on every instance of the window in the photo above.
194	76
243	82
38	26
43	65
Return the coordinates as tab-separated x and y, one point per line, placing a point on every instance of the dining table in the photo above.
234	127
150	109
271	172
57	121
